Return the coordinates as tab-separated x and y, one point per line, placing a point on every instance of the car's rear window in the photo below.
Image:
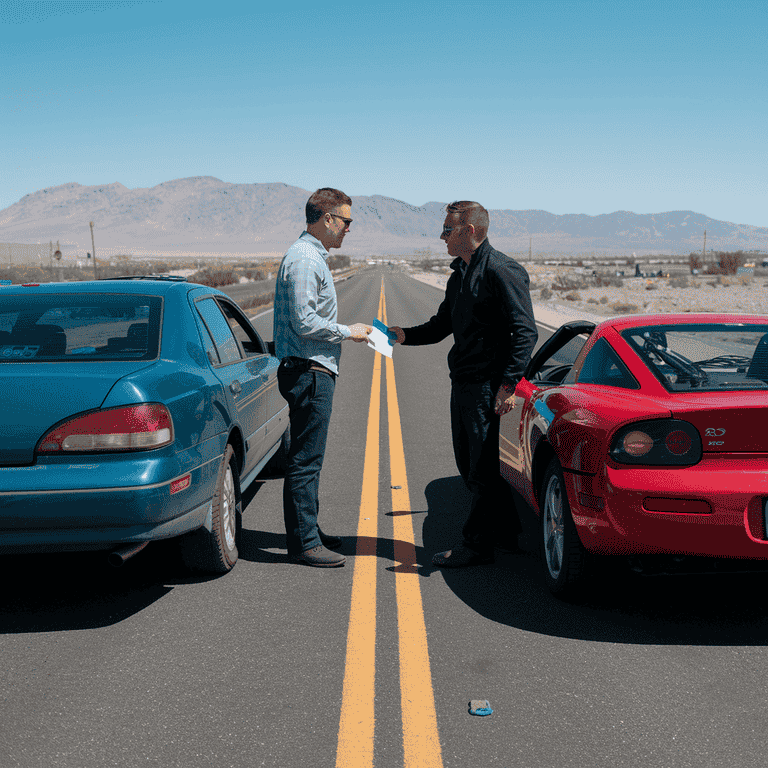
707	357
58	327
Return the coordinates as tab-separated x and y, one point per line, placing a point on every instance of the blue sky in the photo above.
560	105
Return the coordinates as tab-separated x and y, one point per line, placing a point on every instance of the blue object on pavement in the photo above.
480	707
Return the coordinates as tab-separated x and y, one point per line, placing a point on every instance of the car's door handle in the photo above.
236	387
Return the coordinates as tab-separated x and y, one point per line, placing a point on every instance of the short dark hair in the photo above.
472	213
324	200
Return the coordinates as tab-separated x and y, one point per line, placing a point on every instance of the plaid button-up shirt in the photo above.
305	306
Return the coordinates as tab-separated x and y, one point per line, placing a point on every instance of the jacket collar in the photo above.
477	255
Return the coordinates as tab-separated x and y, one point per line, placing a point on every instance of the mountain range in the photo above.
204	216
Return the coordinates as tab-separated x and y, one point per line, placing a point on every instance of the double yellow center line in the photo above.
421	744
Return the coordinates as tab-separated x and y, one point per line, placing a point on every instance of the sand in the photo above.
704	293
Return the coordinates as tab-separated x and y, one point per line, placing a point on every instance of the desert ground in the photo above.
744	294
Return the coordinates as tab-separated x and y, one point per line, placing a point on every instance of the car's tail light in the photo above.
128	428
661	442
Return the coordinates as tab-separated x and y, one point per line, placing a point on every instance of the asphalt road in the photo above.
145	666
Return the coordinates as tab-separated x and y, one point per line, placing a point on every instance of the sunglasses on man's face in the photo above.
346	221
447	231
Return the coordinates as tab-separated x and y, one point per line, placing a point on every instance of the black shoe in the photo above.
331	542
320	557
461	556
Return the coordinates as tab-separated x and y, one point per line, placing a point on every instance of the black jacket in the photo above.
490	315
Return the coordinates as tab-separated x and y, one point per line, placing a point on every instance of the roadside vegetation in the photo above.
723	262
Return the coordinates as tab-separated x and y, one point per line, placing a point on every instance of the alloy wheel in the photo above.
552	521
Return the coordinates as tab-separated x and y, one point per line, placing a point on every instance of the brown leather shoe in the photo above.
320	557
460	557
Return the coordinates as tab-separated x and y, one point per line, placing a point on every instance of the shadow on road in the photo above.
60	592
619	606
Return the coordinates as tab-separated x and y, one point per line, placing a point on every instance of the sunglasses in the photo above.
447	231
345	220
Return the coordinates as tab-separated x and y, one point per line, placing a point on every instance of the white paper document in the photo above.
381	339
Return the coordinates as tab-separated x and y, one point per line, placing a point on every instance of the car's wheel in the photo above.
563	554
215	551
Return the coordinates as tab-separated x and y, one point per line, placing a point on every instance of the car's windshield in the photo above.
707	357
59	327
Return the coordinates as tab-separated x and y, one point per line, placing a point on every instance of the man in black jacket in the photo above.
487	308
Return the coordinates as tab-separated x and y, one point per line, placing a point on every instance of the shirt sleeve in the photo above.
512	291
303	281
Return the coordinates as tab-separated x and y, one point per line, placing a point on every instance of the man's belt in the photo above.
302	364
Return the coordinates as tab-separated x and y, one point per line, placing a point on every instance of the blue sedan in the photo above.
133	410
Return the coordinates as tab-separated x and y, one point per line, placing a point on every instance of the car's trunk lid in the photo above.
728	422
35	396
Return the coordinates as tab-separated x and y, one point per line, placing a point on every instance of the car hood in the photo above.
35	396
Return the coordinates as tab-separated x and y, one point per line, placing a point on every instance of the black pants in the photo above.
475	429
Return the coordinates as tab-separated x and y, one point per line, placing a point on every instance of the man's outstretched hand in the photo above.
360	331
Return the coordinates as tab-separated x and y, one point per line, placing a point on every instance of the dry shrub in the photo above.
257	301
729	263
591	300
624	309
745	280
545	294
695	262
678	282
254	274
651	287
603	299
609	281
567	283
213	278
573	296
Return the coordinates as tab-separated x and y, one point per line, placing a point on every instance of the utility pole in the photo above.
93	246
704	249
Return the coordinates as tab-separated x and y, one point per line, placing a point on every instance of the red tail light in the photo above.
128	428
661	442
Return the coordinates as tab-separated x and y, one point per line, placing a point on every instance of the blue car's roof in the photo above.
143	286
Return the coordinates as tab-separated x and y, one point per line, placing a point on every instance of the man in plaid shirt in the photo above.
308	343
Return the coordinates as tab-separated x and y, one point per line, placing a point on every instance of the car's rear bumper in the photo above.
84	539
61	518
715	508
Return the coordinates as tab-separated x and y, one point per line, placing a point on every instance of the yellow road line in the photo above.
357	722
421	742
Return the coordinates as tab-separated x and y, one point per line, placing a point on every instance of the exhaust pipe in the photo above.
121	554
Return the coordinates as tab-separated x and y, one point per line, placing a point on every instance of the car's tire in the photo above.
215	551
563	555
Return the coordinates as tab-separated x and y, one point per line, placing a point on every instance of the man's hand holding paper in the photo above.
381	339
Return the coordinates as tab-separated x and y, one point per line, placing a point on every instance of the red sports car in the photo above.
653	441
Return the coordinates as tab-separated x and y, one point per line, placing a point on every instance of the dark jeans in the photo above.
309	395
475	429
